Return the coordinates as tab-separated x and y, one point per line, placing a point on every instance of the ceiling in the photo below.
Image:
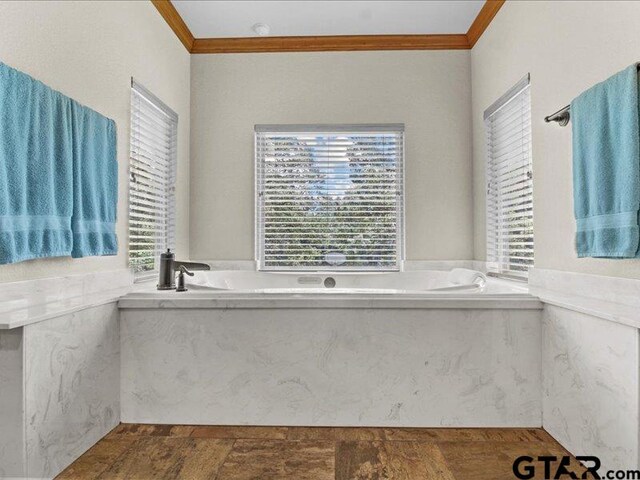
227	19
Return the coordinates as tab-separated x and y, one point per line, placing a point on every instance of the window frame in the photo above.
495	258
167	219
310	129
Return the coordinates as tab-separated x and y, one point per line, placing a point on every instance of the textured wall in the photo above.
427	91
567	47
89	51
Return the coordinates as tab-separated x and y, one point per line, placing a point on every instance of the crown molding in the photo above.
482	21
333	43
328	43
174	20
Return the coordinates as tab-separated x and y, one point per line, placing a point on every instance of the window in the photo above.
152	175
329	197
510	183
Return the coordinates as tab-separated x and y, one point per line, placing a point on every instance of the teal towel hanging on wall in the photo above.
95	183
606	167
58	173
36	169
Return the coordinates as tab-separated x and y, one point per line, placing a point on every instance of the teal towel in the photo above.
35	169
606	167
95	183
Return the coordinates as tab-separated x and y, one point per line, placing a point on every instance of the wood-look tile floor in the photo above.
133	451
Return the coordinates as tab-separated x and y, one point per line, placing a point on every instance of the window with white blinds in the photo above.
510	183
329	197
152	176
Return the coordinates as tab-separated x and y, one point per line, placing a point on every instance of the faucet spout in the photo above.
190	265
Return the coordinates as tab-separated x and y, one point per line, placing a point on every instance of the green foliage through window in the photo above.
330	200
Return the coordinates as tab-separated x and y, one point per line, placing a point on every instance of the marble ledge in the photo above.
614	312
618	290
32	301
174	300
610	298
46	311
23	294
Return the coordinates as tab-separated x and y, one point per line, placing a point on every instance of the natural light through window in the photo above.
510	183
329	197
152	176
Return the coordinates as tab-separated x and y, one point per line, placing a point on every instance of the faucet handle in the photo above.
183	269
181	287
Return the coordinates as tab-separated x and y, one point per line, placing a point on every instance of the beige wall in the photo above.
427	91
567	47
89	51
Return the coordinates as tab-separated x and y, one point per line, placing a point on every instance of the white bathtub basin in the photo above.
414	282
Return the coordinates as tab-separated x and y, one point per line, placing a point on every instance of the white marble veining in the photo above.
72	383
590	386
397	367
12	448
23	303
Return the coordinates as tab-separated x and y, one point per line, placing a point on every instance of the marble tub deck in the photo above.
312	453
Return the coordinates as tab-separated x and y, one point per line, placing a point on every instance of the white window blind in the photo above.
510	183
152	174
329	197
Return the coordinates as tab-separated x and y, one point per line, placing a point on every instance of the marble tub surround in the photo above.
12	419
591	364
565	356
23	303
149	298
331	367
67	380
590	386
610	298
625	291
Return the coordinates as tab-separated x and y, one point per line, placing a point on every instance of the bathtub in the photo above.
376	349
425	282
